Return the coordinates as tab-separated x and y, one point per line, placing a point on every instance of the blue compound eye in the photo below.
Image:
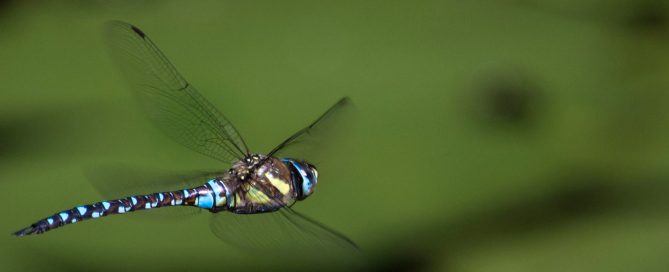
307	187
304	175
307	183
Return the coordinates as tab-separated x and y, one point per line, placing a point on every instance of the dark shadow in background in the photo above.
35	131
55	131
635	16
589	194
506	99
5	5
7	19
38	133
648	16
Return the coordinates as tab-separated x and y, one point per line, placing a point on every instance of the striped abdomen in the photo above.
203	196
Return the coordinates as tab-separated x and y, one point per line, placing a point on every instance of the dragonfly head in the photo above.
305	177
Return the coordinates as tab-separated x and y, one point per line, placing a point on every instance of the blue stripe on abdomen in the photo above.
220	193
205	201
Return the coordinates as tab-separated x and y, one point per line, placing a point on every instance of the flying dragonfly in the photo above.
254	183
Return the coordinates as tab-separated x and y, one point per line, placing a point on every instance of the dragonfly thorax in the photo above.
245	168
259	183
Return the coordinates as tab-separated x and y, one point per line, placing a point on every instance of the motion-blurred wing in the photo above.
284	230
172	103
310	141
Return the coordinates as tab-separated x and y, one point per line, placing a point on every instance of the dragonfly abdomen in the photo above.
119	206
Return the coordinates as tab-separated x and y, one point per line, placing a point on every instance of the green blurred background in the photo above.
489	136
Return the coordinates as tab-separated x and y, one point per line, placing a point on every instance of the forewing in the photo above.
172	103
314	140
120	181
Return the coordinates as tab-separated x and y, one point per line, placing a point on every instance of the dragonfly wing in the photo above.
119	181
309	142
318	232
172	103
283	230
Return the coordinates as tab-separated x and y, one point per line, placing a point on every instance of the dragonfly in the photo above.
254	184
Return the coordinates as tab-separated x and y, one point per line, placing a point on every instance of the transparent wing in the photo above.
119	181
284	230
310	141
172	103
